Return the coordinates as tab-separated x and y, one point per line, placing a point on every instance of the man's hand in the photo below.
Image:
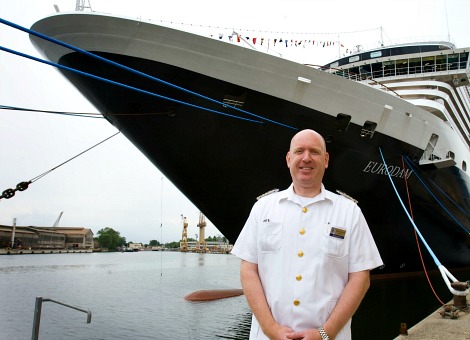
279	332
310	334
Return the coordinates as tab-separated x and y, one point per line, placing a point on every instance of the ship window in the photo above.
353	73
377	71
429	64
453	60
464	166
389	68
414	65
463	60
368	129
402	66
353	59
441	62
365	71
342	122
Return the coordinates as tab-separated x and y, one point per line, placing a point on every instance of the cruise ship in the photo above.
216	118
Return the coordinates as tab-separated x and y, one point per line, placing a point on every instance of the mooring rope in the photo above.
2	48
446	275
79	50
417	239
22	186
437	200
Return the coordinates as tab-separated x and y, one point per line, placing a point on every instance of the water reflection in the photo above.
201	260
43	268
241	328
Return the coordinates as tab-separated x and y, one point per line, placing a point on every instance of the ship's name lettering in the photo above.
379	169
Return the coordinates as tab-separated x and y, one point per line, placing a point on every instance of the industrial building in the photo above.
31	237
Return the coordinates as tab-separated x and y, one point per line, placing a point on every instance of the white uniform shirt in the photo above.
304	255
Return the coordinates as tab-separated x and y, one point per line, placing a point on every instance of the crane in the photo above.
56	223
184	238
201	245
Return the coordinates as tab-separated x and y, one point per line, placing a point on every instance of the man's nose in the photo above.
306	157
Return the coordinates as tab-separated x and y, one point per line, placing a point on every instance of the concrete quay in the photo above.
437	327
5	251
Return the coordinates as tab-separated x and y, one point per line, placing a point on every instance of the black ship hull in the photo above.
222	163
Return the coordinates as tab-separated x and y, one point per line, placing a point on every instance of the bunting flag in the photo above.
297	39
283	42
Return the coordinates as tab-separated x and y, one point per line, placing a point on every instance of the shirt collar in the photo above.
289	194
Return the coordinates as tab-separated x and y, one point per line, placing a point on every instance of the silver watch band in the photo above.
323	334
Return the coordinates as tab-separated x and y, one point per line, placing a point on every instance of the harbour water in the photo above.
131	295
141	295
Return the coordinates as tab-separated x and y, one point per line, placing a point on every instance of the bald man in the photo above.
306	253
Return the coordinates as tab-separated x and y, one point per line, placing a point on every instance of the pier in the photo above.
436	326
6	251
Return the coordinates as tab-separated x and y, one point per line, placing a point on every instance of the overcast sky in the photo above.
114	185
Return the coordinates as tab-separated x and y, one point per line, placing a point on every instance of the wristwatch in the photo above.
323	334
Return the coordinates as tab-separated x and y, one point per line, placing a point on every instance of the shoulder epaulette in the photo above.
267	193
347	196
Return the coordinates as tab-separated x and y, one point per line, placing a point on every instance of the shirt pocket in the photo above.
269	237
334	241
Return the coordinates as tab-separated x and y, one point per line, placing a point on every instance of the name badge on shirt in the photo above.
337	232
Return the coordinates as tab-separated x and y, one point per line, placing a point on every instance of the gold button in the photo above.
300	253
298	277
304	209
296	302
302	231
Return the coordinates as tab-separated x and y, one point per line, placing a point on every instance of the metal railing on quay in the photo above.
37	314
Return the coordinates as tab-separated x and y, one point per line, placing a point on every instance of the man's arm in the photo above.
254	294
353	293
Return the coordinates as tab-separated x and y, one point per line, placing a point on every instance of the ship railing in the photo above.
392	69
356	77
410	70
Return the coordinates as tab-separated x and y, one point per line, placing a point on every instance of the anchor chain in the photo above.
9	193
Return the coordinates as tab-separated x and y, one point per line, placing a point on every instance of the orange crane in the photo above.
202	245
184	238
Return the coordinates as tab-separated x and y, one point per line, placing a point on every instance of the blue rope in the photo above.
436	261
79	50
120	84
407	160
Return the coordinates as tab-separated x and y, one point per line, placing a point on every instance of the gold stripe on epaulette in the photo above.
267	193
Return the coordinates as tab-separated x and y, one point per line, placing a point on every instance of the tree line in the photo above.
112	240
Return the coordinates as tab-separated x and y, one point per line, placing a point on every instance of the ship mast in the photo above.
81	5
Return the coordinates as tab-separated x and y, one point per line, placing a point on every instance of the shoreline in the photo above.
4	251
